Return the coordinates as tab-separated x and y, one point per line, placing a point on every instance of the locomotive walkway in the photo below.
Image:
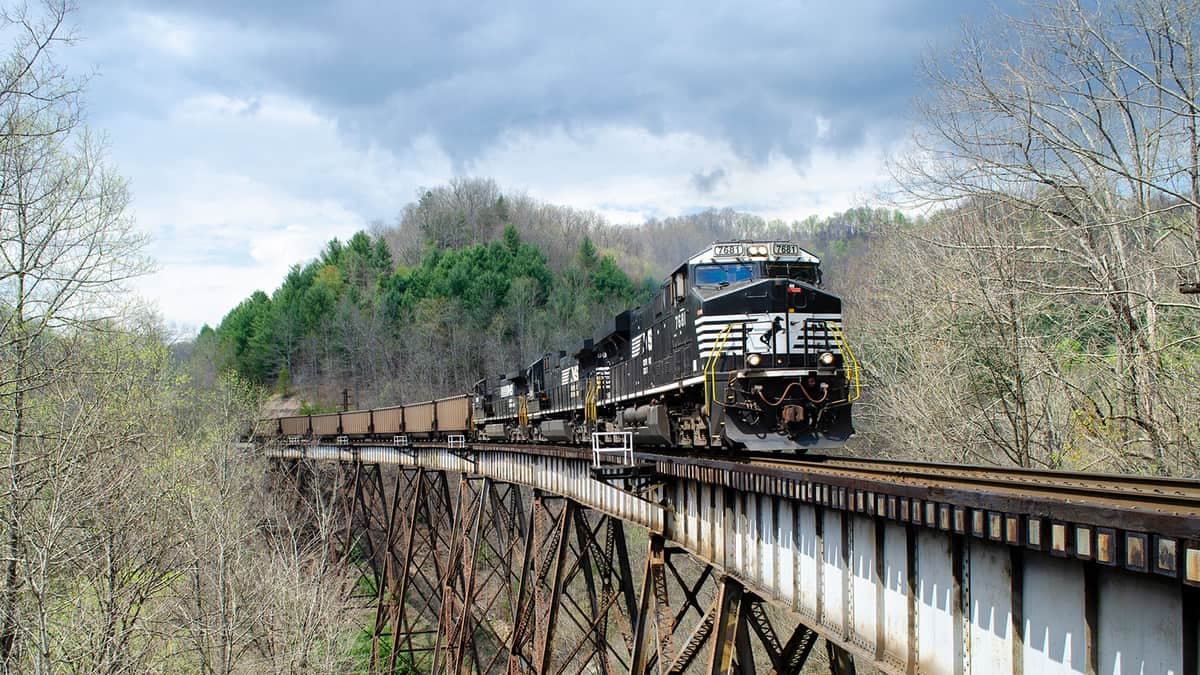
498	558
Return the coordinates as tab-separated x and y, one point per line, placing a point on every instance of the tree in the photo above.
67	247
1080	125
99	545
247	333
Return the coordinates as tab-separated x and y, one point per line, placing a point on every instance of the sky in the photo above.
253	132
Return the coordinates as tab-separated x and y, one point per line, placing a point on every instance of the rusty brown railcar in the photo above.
356	422
266	428
389	420
294	426
419	417
325	425
453	414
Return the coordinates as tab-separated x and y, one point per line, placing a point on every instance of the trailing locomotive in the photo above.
739	348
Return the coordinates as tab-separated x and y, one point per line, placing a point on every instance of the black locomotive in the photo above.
740	348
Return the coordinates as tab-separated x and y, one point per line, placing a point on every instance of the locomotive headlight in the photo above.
826	359
753	360
757	250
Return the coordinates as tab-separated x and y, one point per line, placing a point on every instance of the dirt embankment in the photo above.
281	406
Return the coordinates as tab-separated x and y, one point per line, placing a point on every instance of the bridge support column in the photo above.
407	532
576	575
840	660
730	626
444	564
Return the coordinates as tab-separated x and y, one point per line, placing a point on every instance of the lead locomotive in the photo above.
740	348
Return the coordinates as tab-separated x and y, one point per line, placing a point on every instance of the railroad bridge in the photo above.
528	559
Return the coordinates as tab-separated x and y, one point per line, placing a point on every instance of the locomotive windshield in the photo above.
730	273
715	275
806	272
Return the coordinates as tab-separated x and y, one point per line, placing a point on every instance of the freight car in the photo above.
418	421
740	347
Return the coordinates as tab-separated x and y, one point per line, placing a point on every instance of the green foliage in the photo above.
307	408
478	277
360	655
481	306
244	334
283	383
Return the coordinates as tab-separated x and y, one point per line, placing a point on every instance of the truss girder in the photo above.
470	574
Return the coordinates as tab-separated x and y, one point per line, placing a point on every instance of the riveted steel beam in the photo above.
727	622
794	653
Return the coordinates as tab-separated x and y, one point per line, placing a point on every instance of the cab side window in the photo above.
678	287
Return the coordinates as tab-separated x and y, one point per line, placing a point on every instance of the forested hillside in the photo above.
469	282
352	319
471	211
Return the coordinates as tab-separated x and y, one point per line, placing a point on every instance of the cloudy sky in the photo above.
253	132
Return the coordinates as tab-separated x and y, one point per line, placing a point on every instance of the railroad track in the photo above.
1172	497
1175	490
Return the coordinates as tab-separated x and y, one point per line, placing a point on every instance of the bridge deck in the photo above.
914	568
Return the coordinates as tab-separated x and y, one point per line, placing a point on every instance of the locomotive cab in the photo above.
770	347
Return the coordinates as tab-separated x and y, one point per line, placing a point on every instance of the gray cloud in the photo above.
756	75
252	132
706	182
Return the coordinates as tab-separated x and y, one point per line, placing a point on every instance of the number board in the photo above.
727	250
787	249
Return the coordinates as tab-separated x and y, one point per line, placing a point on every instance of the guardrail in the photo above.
624	449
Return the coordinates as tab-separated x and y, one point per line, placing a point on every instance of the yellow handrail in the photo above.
848	359
710	367
596	399
590	413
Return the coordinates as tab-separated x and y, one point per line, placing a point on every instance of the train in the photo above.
741	348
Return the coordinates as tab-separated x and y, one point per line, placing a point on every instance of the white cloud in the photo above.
239	190
236	191
160	33
823	125
629	174
139	34
252	136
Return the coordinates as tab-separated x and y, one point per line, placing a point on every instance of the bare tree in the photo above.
66	246
255	585
98	542
1082	122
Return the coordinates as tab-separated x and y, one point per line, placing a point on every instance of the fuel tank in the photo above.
650	424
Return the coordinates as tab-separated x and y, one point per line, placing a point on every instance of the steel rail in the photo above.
1184	490
1180	494
1177	497
1166	505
